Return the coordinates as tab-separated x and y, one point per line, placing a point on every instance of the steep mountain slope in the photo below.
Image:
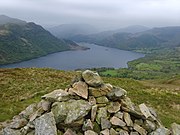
70	30
153	38
25	41
5	19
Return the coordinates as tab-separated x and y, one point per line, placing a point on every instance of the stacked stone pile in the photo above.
88	107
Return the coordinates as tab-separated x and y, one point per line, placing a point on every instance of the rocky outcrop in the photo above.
88	107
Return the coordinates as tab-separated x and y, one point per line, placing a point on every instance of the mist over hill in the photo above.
70	30
150	38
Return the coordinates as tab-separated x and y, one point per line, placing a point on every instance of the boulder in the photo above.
69	132
18	123
92	78
70	111
45	125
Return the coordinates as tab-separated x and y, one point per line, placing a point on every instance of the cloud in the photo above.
106	13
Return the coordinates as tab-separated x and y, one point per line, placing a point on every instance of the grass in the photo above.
20	87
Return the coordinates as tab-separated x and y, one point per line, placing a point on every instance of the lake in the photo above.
96	56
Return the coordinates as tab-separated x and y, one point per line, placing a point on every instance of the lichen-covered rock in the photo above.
9	131
102	113
99	91
70	111
18	123
45	125
175	128
92	78
102	100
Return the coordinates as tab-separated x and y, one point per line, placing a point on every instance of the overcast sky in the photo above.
102	13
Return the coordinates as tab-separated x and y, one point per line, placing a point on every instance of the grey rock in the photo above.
92	100
134	133
134	113
127	119
80	88
126	102
105	123
92	78
116	93
175	128
119	115
45	105
9	131
117	122
90	132
105	132
45	125
161	131
149	126
69	132
57	95
114	107
103	90
102	100
88	125
70	111
139	129
93	112
123	132
18	123
28	111
102	113
112	131
145	111
36	114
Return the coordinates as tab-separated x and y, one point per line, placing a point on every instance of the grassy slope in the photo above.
21	87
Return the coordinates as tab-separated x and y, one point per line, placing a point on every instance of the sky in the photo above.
104	14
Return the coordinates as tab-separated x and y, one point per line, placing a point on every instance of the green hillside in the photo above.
20	87
153	39
25	41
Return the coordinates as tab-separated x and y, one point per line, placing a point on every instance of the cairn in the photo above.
88	107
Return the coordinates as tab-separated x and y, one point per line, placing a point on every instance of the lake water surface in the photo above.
96	56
